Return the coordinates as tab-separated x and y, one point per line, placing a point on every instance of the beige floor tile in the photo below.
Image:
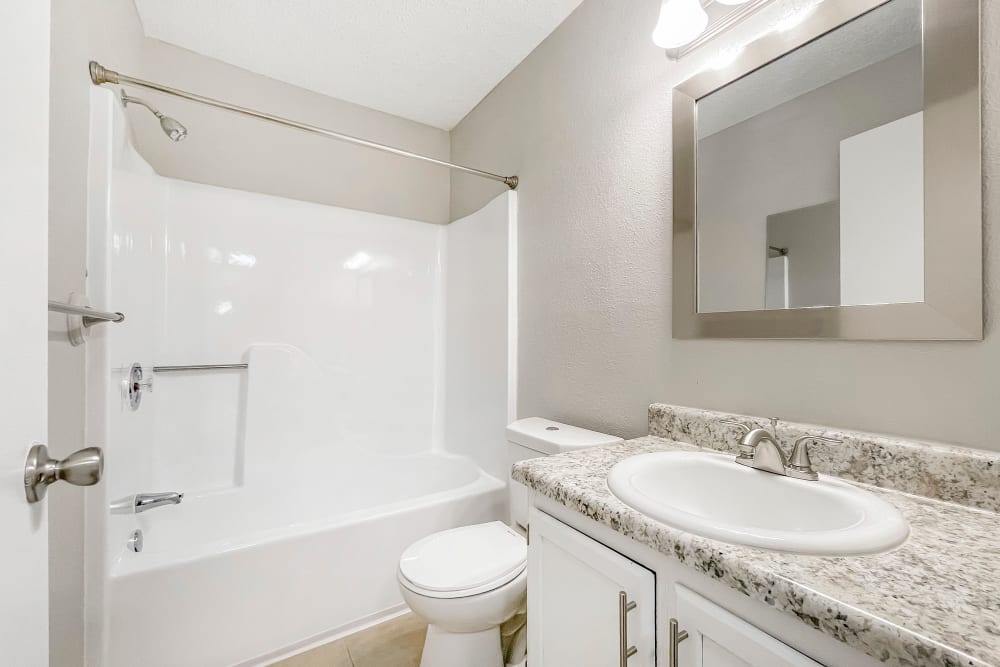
397	643
329	655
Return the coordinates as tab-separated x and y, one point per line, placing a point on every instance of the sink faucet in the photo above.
760	449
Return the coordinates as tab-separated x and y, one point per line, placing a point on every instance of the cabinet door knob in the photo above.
624	650
676	637
83	467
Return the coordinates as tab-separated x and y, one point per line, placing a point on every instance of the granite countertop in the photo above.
935	600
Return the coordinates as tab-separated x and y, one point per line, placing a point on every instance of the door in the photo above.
719	638
24	78
588	606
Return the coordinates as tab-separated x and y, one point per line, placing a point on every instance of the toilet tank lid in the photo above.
549	437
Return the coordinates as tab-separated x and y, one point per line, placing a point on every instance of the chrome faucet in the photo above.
142	502
760	449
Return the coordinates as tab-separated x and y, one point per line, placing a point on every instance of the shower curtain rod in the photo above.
100	75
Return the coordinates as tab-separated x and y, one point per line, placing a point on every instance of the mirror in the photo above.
810	186
810	173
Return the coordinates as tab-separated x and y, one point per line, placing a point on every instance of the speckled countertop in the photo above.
935	600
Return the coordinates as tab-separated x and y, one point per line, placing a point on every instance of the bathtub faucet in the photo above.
141	502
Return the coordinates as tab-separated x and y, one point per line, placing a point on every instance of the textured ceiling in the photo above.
428	60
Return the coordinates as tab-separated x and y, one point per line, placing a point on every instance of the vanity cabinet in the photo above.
718	638
580	611
588	606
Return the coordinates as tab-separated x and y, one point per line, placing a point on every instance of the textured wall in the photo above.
585	122
246	154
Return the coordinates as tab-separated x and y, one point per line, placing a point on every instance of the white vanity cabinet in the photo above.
717	638
588	606
579	605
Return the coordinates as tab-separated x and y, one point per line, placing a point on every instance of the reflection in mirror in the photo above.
810	173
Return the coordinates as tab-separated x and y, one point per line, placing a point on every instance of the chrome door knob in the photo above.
81	468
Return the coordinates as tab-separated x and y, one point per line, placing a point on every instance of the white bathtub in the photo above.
242	576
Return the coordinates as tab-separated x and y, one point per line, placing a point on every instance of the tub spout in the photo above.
141	502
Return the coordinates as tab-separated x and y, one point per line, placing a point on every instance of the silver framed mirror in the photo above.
827	181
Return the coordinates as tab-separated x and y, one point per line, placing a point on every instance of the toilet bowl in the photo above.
465	582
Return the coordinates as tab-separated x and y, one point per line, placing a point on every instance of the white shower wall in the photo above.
481	333
366	336
335	310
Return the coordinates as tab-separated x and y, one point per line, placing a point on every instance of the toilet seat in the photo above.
463	561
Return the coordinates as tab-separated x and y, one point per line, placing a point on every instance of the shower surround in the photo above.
376	348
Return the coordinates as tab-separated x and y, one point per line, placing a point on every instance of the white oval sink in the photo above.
713	496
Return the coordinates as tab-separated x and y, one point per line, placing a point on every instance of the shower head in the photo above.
171	127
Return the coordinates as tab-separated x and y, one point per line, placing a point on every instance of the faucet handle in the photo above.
799	463
745	455
733	422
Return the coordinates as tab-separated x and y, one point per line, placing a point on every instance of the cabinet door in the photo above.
580	601
718	638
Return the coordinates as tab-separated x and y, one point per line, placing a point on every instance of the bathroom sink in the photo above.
713	496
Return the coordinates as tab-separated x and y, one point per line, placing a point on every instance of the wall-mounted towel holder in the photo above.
80	317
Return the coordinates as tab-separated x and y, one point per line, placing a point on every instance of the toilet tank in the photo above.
533	437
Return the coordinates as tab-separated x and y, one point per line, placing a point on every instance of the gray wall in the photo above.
585	121
237	152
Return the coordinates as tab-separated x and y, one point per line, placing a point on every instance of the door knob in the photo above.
81	468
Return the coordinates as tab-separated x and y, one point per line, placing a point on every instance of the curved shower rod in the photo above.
100	75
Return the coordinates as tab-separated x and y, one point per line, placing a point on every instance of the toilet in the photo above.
465	582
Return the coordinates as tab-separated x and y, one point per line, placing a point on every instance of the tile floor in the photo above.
395	643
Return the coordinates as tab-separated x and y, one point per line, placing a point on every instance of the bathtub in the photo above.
246	575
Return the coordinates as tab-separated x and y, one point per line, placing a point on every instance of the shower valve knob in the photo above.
83	467
136	385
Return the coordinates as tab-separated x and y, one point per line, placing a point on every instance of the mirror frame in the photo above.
953	215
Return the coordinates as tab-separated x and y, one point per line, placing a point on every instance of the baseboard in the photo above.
326	637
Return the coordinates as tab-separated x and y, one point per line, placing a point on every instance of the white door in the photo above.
719	638
588	606
24	163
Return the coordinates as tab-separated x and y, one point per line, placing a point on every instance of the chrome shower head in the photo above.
171	127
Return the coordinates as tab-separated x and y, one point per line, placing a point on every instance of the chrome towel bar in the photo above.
200	367
89	315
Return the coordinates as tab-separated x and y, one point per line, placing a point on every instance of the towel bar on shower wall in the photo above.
200	367
89	315
135	384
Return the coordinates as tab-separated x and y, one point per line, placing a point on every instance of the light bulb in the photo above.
680	22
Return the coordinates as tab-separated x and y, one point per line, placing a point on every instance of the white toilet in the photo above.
467	581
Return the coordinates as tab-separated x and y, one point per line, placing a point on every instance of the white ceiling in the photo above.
428	60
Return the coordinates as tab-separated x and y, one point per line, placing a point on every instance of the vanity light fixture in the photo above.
680	22
686	25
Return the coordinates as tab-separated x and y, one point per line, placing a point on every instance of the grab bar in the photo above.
89	315
200	367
